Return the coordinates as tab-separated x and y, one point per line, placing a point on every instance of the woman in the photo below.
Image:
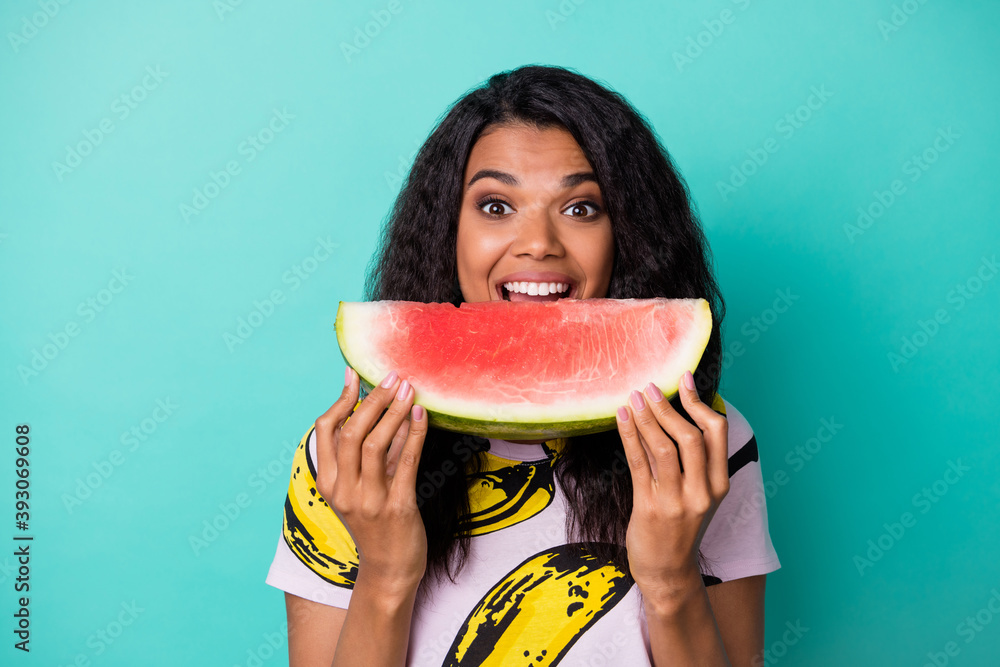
633	550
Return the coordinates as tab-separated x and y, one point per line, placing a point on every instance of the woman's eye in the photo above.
495	207
579	210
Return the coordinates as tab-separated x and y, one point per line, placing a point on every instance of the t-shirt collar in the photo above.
514	451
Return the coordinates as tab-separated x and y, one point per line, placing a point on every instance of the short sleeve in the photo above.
316	558
737	542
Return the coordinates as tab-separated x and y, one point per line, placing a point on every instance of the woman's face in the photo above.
532	214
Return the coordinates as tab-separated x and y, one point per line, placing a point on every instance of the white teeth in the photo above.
537	289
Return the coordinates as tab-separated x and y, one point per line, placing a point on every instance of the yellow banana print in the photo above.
538	611
312	530
505	494
501	496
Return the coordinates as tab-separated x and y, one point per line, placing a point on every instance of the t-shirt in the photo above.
525	595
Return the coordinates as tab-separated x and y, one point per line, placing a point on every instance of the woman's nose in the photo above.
537	236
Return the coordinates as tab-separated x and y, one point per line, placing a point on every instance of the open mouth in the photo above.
534	291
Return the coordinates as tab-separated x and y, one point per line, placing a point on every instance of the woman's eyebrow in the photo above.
569	181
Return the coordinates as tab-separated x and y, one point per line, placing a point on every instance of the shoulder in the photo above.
311	528
737	542
316	558
742	442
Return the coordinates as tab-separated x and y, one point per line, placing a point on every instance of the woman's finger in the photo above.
376	445
404	481
716	434
357	428
398	441
688	437
638	462
660	443
649	457
327	429
390	426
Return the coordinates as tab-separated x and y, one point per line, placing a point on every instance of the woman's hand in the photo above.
372	485
671	509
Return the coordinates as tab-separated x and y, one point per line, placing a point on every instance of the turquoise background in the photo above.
332	173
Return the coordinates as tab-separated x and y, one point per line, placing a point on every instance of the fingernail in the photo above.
623	414
637	401
654	392
347	376
688	380
403	392
418	412
389	379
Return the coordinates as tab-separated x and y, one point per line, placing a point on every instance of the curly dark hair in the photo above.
660	251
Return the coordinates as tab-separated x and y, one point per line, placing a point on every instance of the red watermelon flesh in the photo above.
522	370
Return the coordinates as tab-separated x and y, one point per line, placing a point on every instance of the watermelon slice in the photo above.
525	370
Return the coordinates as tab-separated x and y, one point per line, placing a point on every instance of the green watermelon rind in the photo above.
529	429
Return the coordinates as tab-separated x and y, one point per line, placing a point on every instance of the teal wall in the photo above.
879	338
